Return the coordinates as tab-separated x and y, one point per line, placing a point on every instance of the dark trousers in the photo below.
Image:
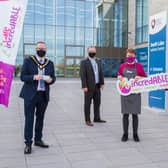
126	123
96	97
36	106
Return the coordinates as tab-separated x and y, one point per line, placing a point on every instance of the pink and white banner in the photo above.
150	83
11	21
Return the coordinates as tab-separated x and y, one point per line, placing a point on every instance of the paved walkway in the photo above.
74	145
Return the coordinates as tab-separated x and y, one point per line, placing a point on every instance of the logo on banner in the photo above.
124	86
153	82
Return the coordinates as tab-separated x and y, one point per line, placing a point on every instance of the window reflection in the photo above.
89	11
28	33
69	35
29	16
39	32
60	12
50	40
141	21
39	11
80	15
50	12
60	23
70	13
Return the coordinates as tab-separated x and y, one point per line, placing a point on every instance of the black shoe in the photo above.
136	138
88	123
27	149
100	121
41	144
124	138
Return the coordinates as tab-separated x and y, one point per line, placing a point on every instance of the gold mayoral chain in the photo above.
41	66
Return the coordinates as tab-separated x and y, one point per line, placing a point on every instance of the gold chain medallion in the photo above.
41	66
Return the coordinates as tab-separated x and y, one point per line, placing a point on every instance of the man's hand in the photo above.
49	81
102	87
37	77
85	89
120	77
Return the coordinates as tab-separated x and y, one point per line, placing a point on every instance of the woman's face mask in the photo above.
130	58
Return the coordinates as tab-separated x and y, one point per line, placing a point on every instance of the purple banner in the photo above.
6	75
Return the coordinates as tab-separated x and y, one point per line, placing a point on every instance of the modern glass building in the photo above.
67	26
112	23
142	18
112	33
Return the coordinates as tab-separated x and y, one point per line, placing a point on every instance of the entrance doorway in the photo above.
73	56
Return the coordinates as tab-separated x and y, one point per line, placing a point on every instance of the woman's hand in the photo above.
120	77
137	78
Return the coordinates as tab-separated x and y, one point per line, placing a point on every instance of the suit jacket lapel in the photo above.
90	65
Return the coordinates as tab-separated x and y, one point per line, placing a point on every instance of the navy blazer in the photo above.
29	69
87	74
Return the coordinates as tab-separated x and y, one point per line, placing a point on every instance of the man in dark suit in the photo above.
92	81
37	74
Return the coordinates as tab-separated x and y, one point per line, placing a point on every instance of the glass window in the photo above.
141	21
28	33
100	26
74	51
39	33
116	25
79	34
100	37
60	66
29	49
79	13
39	11
19	58
60	12
50	12
95	37
50	40
70	13
60	41
69	35
29	16
89	14
88	36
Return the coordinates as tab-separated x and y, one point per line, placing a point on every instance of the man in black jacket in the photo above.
92	81
37	74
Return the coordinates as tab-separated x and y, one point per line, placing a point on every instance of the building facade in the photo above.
112	23
138	18
70	26
138	23
67	26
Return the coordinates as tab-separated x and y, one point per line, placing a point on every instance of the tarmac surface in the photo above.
75	145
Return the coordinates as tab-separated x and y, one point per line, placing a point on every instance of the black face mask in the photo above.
41	53
92	54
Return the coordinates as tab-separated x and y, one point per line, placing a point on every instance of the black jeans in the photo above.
96	96
36	106
126	123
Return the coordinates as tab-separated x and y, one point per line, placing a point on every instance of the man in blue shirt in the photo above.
92	81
